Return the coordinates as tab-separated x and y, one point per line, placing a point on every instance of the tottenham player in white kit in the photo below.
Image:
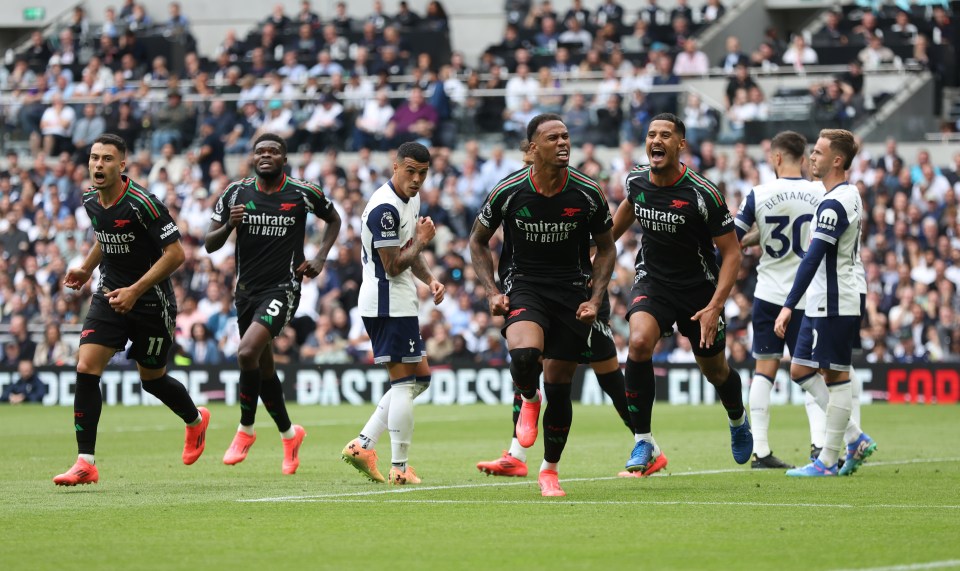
782	210
393	237
832	314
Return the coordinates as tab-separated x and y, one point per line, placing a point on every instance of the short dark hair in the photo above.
677	122
540	119
414	151
115	140
272	137
790	143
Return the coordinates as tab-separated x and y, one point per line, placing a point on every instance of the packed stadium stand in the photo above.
345	83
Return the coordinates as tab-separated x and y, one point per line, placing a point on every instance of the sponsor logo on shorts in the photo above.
412	343
86	332
570	212
679	203
638	299
120	223
516	312
285	206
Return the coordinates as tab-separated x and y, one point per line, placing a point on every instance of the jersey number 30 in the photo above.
780	223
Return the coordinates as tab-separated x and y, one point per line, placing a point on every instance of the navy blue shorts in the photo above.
827	342
395	339
766	344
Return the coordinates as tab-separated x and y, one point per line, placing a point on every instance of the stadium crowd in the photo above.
302	78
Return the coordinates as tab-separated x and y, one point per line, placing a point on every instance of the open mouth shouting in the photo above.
99	177
657	155
563	154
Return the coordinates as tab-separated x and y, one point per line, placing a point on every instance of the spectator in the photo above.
406	18
53	350
26	347
27	388
56	127
170	123
436	17
712	11
733	57
414	119
325	124
831	34
178	23
86	129
202	347
875	54
902	31
799	54
576	34
307	16
691	61
608	12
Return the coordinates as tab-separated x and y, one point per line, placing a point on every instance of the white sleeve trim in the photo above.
382	243
825	237
741	224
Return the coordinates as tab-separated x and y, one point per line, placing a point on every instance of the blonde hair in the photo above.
842	141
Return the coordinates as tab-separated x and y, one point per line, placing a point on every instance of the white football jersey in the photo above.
783	210
836	287
387	221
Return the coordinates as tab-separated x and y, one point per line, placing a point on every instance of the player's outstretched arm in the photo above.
751	238
76	277
482	261
217	233
123	299
622	219
312	268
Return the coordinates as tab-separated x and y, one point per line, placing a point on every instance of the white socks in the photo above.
548	466
817	419
377	422
400	420
248	430
517	451
88	458
853	429
288	433
838	416
760	389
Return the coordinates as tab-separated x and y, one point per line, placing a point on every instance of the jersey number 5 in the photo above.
780	223
274	308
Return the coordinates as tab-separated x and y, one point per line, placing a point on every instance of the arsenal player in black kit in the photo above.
549	212
681	216
269	212
137	248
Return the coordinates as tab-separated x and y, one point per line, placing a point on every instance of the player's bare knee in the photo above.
249	357
641	346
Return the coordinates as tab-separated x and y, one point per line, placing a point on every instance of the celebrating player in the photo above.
269	213
681	215
603	360
832	316
137	248
393	238
549	211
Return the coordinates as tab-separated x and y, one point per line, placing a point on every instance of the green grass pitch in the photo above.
151	512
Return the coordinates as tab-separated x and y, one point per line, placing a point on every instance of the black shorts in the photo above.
565	337
273	309
671	305
151	333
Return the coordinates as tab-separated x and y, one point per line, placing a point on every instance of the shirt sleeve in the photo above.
221	210
719	220
491	213
163	231
384	225
831	221
317	200
601	220
747	215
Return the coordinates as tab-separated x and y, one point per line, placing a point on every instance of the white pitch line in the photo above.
501	483
913	566
613	503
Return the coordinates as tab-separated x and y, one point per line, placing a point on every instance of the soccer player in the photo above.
269	212
832	314
137	248
782	210
549	212
603	360
681	216
393	237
